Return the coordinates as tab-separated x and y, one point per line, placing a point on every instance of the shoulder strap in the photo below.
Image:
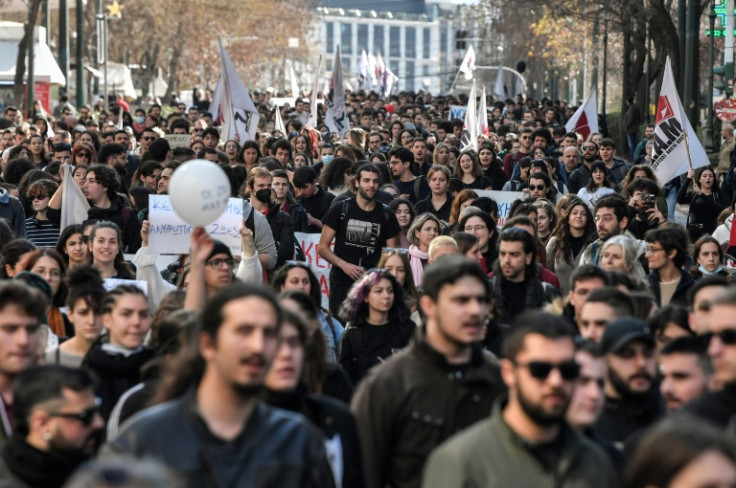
250	221
417	187
14	204
345	209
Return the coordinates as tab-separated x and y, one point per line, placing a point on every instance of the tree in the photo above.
20	63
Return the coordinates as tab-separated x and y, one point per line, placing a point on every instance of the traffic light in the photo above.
726	71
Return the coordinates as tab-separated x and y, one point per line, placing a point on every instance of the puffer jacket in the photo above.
723	232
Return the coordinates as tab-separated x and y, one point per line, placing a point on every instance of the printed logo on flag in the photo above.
664	109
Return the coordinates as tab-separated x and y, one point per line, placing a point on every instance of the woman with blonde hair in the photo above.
421	232
441	155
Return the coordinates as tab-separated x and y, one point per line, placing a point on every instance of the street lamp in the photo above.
708	131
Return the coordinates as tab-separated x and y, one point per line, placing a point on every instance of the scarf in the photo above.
56	321
417	268
39	469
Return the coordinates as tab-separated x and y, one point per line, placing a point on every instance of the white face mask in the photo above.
327	159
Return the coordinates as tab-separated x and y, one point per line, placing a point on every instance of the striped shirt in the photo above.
42	233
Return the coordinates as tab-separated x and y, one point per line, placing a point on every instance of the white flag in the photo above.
279	122
670	153
380	74
373	70
482	114
215	103
240	115
469	138
364	71
312	120
294	85
468	65
74	206
585	119
499	88
337	117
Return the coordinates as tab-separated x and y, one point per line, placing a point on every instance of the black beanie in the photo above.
220	248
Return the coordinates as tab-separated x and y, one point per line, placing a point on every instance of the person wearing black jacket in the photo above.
285	389
441	383
117	357
259	186
439	202
282	194
378	323
667	250
706	202
315	200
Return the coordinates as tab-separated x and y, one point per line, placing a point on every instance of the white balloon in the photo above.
199	191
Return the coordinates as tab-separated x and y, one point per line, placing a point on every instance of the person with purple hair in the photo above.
378	323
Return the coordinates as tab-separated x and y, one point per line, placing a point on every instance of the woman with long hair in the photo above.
286	388
405	214
597	187
441	155
420	234
49	265
406	137
249	155
469	174
396	262
86	291
568	241
107	256
38	154
336	175
706	202
491	166
619	253
302	159
708	258
439	202
468	245
83	154
117	357
377	321
73	246
546	219
297	275
461	201
39	229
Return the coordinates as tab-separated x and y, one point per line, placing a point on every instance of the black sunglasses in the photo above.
86	416
728	336
569	370
537	187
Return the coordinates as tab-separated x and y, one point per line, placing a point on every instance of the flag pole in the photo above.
687	148
227	89
452	87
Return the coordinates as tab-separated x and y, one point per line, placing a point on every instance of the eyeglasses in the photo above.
397	250
569	370
83	155
40	196
148	138
471	228
727	336
217	263
652	250
525	137
588	148
604	218
86	416
537	187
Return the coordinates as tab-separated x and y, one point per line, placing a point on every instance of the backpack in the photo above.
346	207
250	223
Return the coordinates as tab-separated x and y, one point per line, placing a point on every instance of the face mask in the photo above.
140	119
327	159
264	195
325	134
710	273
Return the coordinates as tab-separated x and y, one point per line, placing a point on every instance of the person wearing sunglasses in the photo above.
717	407
83	154
57	426
39	229
526	441
512	158
581	176
632	396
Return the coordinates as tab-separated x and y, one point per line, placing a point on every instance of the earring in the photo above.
47	436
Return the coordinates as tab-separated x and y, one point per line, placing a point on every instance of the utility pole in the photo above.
689	91
64	42
708	130
79	48
681	29
605	64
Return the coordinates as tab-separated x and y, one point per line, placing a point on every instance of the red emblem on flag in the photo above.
664	109
582	127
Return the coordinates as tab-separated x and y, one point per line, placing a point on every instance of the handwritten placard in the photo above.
179	140
319	266
169	234
504	199
111	283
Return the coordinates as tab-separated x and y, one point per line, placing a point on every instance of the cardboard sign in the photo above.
111	283
504	199
171	235
319	266
179	140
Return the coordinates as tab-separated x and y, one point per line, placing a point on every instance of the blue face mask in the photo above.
710	273
325	134
140	119
327	159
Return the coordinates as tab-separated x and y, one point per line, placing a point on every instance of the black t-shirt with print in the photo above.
360	236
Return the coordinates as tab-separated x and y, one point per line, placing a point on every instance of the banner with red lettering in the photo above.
319	266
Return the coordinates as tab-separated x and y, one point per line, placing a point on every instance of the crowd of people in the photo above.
579	336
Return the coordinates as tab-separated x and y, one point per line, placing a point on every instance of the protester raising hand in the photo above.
200	247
